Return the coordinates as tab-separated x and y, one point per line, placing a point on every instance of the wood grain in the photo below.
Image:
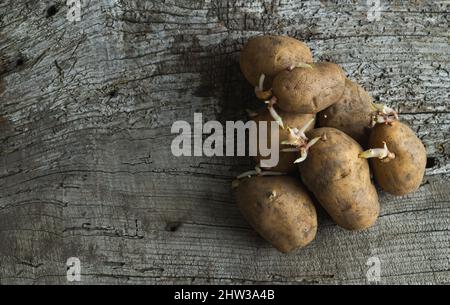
85	162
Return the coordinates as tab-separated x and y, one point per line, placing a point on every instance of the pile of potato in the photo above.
332	157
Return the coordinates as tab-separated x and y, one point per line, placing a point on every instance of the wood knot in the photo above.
51	11
173	226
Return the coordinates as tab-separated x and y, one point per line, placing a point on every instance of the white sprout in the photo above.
378	107
261	82
293	137
259	90
382	118
300	141
256	172
297	137
276	116
304	150
312	142
289	149
383	114
303	155
247	174
304	128
381	153
272	194
273	112
299	65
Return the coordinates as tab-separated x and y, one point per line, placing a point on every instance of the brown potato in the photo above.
340	180
269	55
351	114
293	120
279	209
309	90
404	173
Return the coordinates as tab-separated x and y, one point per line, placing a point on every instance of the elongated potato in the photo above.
351	114
340	180
404	173
279	209
293	120
269	55
309	90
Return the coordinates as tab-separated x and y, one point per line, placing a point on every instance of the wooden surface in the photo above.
85	163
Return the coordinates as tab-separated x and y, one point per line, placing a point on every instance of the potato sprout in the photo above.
381	153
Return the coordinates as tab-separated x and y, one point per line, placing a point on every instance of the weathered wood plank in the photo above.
85	162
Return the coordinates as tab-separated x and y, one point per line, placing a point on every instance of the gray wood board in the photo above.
85	163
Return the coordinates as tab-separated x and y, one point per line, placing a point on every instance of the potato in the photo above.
351	114
340	180
309	90
404	173
269	55
293	120
279	209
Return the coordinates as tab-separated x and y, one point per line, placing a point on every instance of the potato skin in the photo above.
340	180
351	114
286	161
269	55
279	209
306	90
404	173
